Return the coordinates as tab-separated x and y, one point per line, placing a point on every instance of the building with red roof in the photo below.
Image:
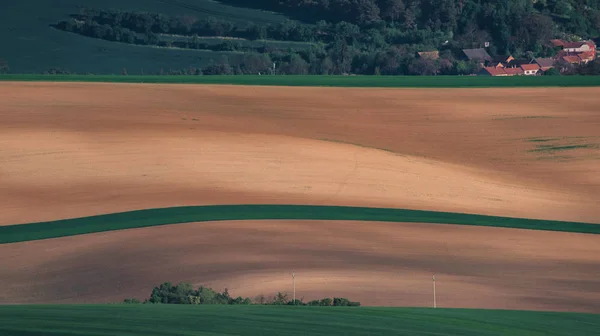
492	71
531	69
514	71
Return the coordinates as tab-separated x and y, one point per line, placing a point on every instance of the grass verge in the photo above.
164	320
175	215
339	81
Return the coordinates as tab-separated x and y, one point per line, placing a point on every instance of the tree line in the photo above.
184	293
338	48
508	24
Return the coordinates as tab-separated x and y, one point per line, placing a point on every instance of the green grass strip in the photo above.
184	320
175	215
339	81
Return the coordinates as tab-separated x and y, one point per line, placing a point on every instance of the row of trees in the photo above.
254	63
509	22
351	51
184	293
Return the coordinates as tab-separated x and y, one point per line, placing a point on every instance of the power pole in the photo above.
294	287
434	303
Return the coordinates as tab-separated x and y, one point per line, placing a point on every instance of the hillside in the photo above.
31	45
219	320
317	37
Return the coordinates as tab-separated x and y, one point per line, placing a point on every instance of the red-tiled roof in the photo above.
557	42
514	71
493	71
587	55
571	59
574	44
529	67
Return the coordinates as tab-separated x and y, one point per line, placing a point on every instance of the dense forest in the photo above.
184	293
356	36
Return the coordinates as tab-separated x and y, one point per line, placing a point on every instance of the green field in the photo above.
340	81
164	320
30	45
176	215
244	43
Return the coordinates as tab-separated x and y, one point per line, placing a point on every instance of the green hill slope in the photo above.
165	216
30	45
165	320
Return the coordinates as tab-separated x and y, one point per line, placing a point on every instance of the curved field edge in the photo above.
187	214
335	81
268	320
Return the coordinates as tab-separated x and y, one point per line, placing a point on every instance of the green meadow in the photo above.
175	215
183	320
32	46
339	81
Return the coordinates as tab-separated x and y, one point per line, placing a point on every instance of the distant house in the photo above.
492	71
504	60
478	54
545	63
557	43
432	55
576	47
514	71
530	69
587	56
515	63
571	59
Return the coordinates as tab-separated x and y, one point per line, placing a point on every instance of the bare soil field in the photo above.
70	150
387	264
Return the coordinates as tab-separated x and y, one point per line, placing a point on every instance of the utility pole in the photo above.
294	287
434	303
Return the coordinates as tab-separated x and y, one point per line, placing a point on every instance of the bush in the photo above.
131	301
343	302
184	293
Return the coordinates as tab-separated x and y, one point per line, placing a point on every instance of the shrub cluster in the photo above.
184	293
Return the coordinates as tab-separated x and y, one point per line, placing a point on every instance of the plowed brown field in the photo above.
71	150
374	263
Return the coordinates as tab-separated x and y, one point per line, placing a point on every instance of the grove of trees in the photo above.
184	293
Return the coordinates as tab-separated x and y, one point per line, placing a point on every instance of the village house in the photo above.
570	59
501	61
514	71
492	71
576	47
479	55
557	43
575	52
545	63
531	69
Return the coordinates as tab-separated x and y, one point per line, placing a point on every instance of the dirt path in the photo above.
80	149
375	263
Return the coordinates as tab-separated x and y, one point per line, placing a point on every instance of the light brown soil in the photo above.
71	150
374	263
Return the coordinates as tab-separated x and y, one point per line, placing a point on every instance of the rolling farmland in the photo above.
115	179
278	167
